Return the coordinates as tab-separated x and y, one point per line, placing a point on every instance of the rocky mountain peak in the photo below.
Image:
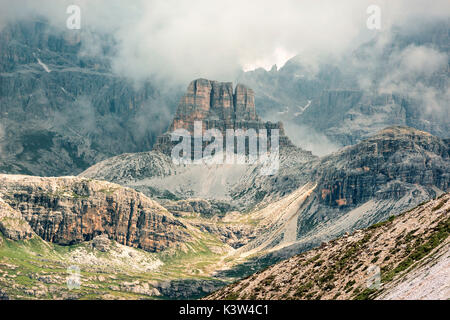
207	100
218	107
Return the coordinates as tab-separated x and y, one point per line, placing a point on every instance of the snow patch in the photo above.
302	109
43	65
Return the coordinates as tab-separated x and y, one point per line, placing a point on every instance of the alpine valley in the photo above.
89	191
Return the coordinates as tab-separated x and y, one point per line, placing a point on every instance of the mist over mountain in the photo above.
350	127
76	110
82	91
397	78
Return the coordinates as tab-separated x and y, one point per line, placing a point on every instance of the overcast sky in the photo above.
215	39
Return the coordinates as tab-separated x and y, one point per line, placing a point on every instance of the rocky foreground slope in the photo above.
389	260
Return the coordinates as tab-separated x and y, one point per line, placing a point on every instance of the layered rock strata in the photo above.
218	107
69	210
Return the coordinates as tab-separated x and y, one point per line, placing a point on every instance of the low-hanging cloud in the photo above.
183	40
309	139
415	71
411	74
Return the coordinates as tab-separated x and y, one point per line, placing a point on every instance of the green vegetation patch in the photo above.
440	233
303	289
365	294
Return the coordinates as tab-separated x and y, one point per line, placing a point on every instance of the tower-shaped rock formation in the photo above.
217	106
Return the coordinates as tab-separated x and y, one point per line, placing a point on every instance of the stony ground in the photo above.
430	280
348	267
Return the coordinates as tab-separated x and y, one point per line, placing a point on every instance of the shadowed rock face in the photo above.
77	111
382	166
12	224
70	210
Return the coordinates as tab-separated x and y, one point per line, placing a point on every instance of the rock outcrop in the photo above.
217	107
12	224
382	166
70	210
3	295
200	206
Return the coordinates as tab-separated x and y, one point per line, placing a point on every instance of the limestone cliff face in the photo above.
383	166
78	112
12	224
70	210
218	107
212	101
